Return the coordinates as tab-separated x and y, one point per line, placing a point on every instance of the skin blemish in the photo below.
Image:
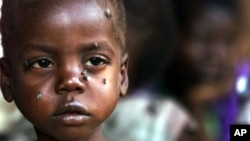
108	13
104	81
39	95
26	64
99	46
84	74
96	45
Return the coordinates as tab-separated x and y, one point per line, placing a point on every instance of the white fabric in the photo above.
133	121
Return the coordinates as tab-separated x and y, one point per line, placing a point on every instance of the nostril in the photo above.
70	85
79	90
62	91
66	90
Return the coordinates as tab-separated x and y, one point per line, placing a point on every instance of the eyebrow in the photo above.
87	47
39	47
90	47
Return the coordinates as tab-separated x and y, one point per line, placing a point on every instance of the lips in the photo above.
73	113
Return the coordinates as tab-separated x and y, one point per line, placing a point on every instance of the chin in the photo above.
66	134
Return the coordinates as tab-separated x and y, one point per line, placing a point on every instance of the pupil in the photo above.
44	63
95	61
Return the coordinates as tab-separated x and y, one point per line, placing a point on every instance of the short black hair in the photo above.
9	21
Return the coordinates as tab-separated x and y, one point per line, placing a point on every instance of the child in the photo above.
203	74
64	64
201	71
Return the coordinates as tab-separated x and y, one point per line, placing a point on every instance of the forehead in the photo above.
219	16
59	17
63	11
214	19
214	15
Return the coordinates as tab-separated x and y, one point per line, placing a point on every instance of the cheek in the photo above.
105	104
25	94
104	95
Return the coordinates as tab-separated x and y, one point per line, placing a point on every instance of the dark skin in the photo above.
55	44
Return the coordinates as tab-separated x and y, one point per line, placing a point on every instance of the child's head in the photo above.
65	63
209	30
207	51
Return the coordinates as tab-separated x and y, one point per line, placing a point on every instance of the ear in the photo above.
5	79
124	75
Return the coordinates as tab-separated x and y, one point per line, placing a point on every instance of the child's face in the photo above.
211	47
58	41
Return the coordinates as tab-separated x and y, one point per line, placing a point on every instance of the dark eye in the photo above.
95	61
41	63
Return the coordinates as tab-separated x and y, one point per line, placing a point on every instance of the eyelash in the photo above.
39	63
96	61
36	63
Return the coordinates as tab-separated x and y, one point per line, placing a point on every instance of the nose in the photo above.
217	52
69	80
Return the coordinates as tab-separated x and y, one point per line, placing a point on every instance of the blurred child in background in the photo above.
146	113
195	100
202	76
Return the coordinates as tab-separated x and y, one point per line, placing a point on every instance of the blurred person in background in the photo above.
195	99
146	113
202	76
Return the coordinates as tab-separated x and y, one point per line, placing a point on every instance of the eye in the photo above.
40	63
96	61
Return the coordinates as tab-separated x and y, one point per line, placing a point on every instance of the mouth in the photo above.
73	113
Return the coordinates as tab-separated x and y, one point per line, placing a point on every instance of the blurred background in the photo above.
189	73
